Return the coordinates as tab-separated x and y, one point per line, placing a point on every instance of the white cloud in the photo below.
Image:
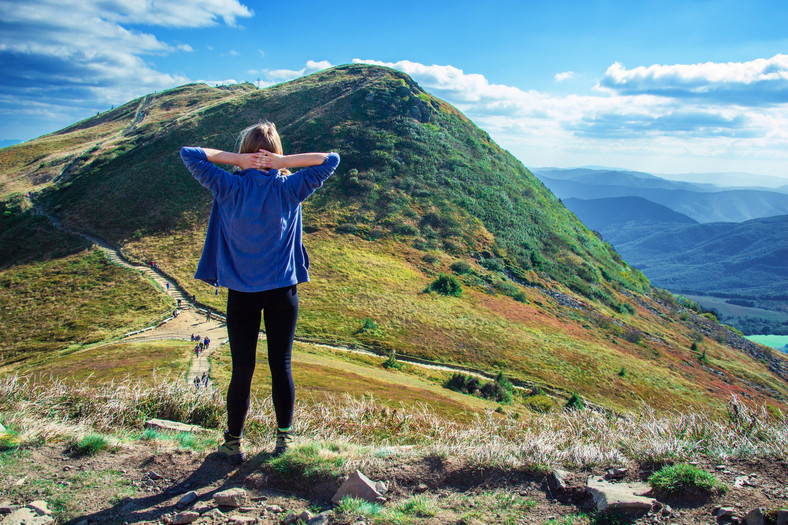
84	55
645	130
753	83
566	75
171	13
282	75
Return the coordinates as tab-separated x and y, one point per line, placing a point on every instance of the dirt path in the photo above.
192	320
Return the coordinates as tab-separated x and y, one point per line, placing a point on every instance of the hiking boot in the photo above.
231	450
284	440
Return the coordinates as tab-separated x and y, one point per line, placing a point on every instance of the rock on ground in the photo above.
230	498
625	497
175	426
358	486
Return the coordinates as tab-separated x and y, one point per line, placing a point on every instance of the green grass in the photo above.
435	185
90	445
76	300
312	460
110	362
684	479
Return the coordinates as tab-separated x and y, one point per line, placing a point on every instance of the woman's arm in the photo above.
267	160
244	161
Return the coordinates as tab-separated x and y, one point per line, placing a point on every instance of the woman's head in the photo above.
262	135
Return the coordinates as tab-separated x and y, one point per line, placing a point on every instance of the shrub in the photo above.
430	258
447	285
575	402
683	479
406	229
493	264
623	372
631	335
461	267
392	363
367	326
347	228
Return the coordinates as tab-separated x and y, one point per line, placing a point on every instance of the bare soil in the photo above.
146	485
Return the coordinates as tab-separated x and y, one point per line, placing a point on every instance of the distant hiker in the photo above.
168	286
206	341
207	314
253	247
216	289
194	299
204	379
179	303
196	382
192	337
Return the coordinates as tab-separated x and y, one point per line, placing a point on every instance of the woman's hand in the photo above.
245	161
267	160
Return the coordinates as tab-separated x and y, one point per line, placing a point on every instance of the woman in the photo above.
253	247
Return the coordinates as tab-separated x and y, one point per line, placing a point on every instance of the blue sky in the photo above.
664	87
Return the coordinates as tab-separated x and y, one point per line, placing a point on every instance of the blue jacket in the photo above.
253	242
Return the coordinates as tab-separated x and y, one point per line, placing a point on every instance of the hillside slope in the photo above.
420	191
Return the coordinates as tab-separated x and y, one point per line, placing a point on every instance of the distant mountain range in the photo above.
687	237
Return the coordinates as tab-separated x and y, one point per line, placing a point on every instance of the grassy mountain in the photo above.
421	191
701	202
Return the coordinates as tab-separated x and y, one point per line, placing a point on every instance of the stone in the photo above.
421	487
724	512
624	497
243	520
273	508
186	516
214	513
230	498
305	516
201	506
187	499
782	517
720	467
153	475
358	486
7	508
557	479
381	487
667	510
616	473
320	519
742	481
27	516
247	509
40	506
755	517
290	519
174	426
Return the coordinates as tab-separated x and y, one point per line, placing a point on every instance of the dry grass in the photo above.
53	410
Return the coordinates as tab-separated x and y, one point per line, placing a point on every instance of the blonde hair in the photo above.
262	135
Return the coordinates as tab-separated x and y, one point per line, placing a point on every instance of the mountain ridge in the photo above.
421	191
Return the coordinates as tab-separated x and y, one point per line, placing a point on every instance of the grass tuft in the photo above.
311	460
90	445
684	479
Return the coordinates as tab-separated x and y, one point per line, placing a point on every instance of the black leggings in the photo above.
279	309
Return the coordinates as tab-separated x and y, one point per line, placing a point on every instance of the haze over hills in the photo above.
702	202
724	259
421	191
